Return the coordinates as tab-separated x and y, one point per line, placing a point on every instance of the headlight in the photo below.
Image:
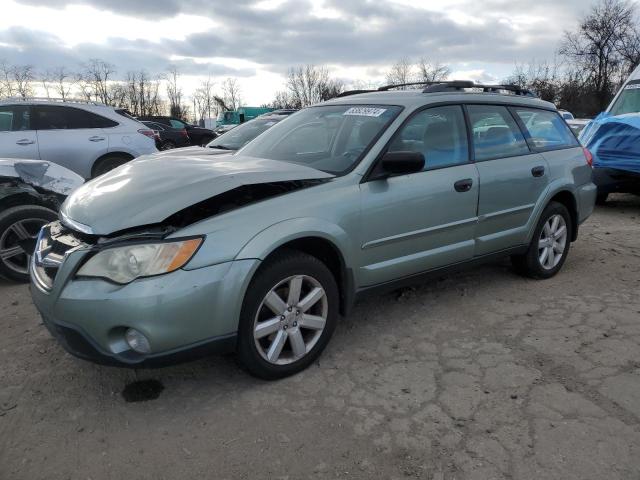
125	264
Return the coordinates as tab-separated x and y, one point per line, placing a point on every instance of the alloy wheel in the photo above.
12	252
290	319
552	242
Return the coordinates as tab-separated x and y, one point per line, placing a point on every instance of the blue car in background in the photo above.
613	138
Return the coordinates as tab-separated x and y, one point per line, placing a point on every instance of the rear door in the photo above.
512	178
17	137
418	222
70	136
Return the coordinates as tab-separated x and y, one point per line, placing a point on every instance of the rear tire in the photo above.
549	245
19	228
107	164
283	334
168	145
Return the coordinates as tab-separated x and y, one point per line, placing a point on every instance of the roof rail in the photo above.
353	92
462	84
45	99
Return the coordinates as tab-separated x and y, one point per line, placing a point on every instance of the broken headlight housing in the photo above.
125	264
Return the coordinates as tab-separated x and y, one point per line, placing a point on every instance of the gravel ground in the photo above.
480	375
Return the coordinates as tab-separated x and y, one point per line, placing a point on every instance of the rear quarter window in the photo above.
547	130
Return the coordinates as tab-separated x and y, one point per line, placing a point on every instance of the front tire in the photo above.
19	227
288	315
549	246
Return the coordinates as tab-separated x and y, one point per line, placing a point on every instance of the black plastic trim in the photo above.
420	277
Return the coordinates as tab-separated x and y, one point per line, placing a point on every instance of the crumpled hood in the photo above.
614	141
151	188
193	151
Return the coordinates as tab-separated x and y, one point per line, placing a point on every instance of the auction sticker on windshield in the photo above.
365	111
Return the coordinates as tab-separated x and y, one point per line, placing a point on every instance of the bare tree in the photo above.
174	92
231	93
629	47
594	47
541	77
429	71
401	72
97	74
310	84
23	77
62	81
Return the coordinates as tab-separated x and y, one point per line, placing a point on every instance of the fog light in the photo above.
137	341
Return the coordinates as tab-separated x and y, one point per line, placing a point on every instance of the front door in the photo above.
17	138
418	222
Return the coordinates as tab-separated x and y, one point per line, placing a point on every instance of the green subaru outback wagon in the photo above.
170	257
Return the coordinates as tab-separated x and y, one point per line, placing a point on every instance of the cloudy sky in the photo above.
258	40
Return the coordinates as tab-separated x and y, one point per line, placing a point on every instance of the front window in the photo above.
629	100
14	119
241	135
329	138
438	133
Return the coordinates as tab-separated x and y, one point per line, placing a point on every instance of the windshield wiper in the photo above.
221	147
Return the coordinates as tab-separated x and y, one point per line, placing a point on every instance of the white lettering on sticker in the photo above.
365	111
633	86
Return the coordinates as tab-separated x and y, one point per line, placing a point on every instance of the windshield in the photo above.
241	135
629	100
328	138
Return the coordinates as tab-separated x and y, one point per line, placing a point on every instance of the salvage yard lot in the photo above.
479	375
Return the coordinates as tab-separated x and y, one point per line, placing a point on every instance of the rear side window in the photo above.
15	118
495	133
176	123
68	118
438	133
546	129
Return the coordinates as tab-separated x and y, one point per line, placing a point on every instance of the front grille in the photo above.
54	243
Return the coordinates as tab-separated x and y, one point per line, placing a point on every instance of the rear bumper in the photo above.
610	180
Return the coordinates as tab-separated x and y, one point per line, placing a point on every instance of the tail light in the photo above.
588	156
156	134
147	133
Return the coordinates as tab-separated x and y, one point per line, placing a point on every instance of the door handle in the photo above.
537	171
463	185
96	138
25	141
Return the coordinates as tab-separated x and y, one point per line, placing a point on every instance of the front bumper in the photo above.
183	314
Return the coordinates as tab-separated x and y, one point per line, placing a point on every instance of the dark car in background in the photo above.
168	138
197	135
237	138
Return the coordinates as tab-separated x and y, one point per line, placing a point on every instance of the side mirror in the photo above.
398	163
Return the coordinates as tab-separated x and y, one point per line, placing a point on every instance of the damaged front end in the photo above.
31	192
44	183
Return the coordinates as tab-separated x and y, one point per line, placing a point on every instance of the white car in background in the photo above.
85	137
